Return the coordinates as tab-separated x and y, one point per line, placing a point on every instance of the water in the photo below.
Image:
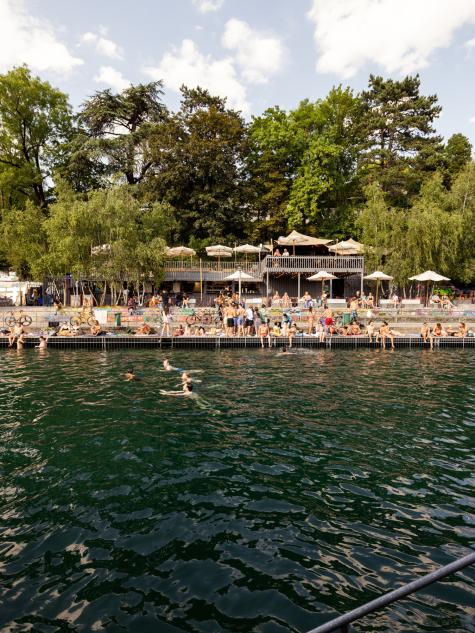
294	488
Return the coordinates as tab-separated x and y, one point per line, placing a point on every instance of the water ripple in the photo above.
292	488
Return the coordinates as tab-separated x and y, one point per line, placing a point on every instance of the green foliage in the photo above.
199	156
398	146
109	217
113	137
23	242
35	123
130	174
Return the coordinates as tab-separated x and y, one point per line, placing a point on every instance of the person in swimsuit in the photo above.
130	375
20	341
311	320
264	332
168	367
14	334
43	343
292	332
439	330
384	333
426	334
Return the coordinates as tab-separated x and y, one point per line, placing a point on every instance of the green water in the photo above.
292	489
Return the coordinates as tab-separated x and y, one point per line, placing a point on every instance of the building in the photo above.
283	274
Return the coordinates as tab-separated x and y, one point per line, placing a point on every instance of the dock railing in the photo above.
343	622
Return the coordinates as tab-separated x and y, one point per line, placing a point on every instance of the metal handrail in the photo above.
343	621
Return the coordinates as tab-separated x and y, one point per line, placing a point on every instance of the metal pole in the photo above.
392	596
298	286
201	279
331	288
267	284
361	287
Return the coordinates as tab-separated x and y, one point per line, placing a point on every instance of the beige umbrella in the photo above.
429	275
322	276
294	238
219	251
240	276
347	247
246	249
378	276
180	251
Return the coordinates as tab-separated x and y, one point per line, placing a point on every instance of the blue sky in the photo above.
257	53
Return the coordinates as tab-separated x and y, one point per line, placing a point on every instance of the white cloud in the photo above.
470	43
205	6
103	45
25	39
472	119
398	35
258	55
188	66
111	77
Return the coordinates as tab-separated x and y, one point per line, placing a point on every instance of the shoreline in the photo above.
241	342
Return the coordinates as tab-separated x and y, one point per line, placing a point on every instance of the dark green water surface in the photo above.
291	489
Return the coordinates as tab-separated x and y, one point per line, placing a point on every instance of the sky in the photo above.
256	53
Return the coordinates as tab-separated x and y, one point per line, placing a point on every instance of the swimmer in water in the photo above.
43	343
130	375
168	367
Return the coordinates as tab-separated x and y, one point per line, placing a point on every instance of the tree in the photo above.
23	242
457	154
276	149
462	202
35	122
112	140
399	147
132	235
199	168
323	189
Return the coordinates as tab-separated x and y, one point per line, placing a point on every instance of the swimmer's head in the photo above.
284	350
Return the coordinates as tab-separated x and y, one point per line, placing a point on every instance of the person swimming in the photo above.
168	367
130	375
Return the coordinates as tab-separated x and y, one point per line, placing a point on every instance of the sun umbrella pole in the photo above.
377	288
201	279
239	288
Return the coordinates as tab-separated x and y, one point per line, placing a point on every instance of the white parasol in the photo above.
429	275
347	247
378	276
180	251
218	250
294	238
322	276
240	275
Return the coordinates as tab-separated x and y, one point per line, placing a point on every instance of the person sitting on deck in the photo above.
285	253
370	330
384	333
179	331
15	332
439	330
153	303
96	330
446	303
462	331
276	330
307	300
426	334
276	298
286	302
354	329
145	330
277	253
370	301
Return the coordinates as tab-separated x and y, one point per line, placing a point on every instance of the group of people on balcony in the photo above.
285	253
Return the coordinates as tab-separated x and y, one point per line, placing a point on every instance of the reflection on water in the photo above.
296	487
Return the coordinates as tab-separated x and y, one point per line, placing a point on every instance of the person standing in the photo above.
167	321
249	322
